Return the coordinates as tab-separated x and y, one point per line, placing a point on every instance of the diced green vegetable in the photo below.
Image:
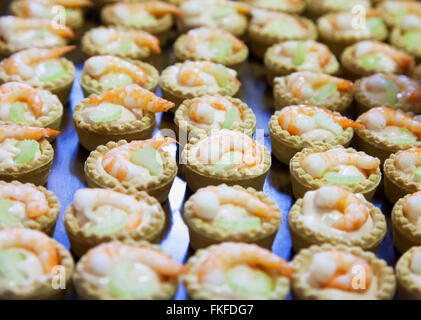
7	219
241	224
142	18
327	123
28	149
53	71
223	48
412	38
375	25
116	80
230	116
109	112
223	12
249	282
40	34
300	53
17	112
391	92
324	92
125	46
409	137
371	62
229	159
281	28
9	260
148	158
220	73
115	222
417	171
340	179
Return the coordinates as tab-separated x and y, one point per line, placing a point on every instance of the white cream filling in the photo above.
96	110
8	152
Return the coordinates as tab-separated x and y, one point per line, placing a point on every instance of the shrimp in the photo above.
198	36
408	160
112	253
23	133
12	92
32	240
115	161
35	201
207	201
412	208
155	8
88	200
229	254
203	109
28	9
354	212
381	117
100	65
316	164
337	270
133	97
324	55
291	119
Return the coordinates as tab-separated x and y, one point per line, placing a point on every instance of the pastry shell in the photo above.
196	291
285	145
396	40
198	175
302	181
301	289
203	234
302	236
81	241
92	86
159	187
407	287
86	291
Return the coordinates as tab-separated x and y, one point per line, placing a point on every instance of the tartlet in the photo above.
49	72
401	174
211	44
102	73
313	88
28	206
210	113
400	13
238	276
294	7
317	8
48	274
268	28
152	170
99	215
111	116
292	56
316	275
192	79
309	171
314	220
408	40
209	160
128	271
395	91
313	126
368	57
221	213
408	273
381	135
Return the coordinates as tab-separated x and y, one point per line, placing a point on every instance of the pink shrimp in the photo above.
199	109
156	8
12	92
23	133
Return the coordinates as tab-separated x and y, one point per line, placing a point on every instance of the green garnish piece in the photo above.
327	123
142	18
247	281
324	92
116	80
17	112
40	34
220	73
219	13
223	48
400	14
28	149
230	116
69	13
241	224
337	178
229	159
148	158
371	62
125	46
417	171
410	137
9	261
300	53
6	219
116	221
375	25
53	71
109	112
281	28
412	39
391	92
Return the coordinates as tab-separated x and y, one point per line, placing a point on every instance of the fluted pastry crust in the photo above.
408	289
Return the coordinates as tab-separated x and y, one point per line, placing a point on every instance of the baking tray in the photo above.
67	173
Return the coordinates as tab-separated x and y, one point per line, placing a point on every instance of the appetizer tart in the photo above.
102	73
288	6
369	57
101	215
30	263
317	8
395	91
23	33
41	68
297	127
155	17
268	28
402	174
321	165
193	79
132	167
210	113
291	56
313	88
226	15
336	216
123	113
386	131
406	14
211	44
232	270
408	40
339	272
127	271
126	44
225	156
408	274
25	205
336	29
45	9
25	105
406	222
222	213
26	155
